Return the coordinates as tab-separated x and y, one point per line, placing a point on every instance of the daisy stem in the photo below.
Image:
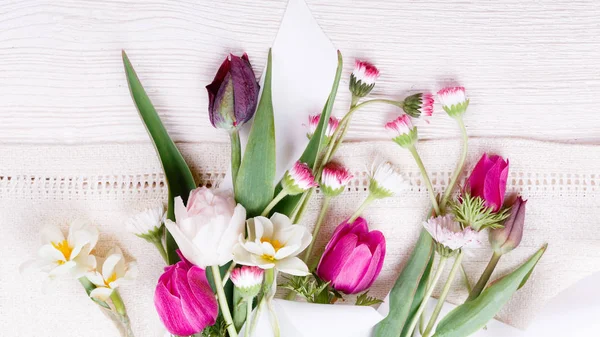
228	272
442	298
459	165
415	154
485	277
223	301
118	303
436	278
361	208
301	205
161	249
274	202
320	219
248	314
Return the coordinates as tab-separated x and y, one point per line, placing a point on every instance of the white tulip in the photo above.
208	228
273	243
65	258
114	274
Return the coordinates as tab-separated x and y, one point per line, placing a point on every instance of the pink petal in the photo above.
373	270
170	312
193	309
353	270
333	259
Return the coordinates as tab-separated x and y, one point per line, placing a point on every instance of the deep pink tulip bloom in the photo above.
353	257
184	299
488	180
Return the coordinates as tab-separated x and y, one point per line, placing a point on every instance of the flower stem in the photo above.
157	242
236	154
315	233
274	202
228	272
118	303
445	290
268	294
361	208
223	301
460	164
436	278
248	313
300	206
485	277
415	154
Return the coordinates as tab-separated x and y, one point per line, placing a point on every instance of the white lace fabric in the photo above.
107	183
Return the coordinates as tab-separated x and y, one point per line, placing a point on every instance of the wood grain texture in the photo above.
532	68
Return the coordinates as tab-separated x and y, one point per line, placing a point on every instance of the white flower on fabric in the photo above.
207	228
61	257
449	233
273	243
385	181
114	274
146	222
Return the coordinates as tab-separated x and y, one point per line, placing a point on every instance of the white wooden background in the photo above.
532	68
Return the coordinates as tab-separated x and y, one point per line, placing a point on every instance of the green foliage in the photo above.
419	296
219	329
474	315
471	211
311	288
254	184
405	288
365	300
316	144
178	175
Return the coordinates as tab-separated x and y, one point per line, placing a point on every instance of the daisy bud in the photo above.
298	179
403	131
449	234
505	239
418	105
147	224
334	179
362	79
247	280
385	181
454	101
313	123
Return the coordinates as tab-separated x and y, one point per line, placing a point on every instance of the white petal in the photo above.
180	210
267	248
109	265
49	253
101	293
186	246
253	247
280	222
51	233
292	266
62	270
264	227
242	256
231	234
96	278
85	264
286	251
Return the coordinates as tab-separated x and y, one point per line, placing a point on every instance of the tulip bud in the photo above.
353	257
247	281
488	180
334	179
454	101
184	299
503	240
403	131
362	79
233	94
298	179
418	105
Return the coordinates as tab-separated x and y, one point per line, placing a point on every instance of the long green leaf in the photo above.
405	288
178	175
254	185
471	316
317	141
419	296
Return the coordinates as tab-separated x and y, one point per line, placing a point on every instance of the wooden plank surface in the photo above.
532	68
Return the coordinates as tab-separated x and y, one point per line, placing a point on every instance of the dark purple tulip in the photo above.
233	94
353	257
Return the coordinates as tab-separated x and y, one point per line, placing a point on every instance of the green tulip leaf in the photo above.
178	175
316	143
419	295
471	316
406	288
254	185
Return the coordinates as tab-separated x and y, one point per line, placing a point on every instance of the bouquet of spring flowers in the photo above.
228	251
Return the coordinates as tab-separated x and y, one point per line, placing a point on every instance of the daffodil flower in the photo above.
114	274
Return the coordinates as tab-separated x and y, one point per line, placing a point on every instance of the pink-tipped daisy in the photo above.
313	123
449	234
247	280
402	130
363	78
334	179
454	100
298	179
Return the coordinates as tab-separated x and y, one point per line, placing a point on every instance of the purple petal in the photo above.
245	88
216	113
213	88
170	312
353	270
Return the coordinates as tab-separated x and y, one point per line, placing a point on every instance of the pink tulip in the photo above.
353	257
184	299
488	180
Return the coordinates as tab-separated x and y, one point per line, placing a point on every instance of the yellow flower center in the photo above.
64	248
275	243
111	279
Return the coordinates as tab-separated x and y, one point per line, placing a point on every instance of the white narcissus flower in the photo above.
114	274
147	223
273	243
208	227
385	181
61	257
449	233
